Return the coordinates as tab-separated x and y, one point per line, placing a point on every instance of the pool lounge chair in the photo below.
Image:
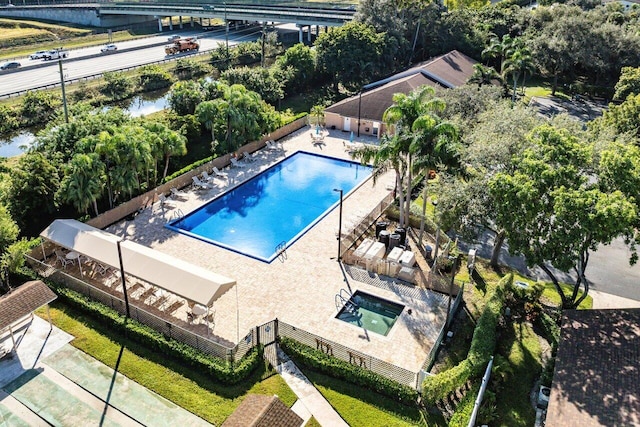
201	185
248	157
236	163
178	194
219	174
165	202
206	177
272	145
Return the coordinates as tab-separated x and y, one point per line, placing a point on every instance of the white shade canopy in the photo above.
85	239
178	277
164	271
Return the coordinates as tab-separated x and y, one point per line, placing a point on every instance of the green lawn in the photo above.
359	406
190	389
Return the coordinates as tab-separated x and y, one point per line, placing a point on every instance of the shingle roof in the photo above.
597	372
258	410
450	70
23	301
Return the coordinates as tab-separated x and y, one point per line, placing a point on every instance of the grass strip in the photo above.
359	406
194	391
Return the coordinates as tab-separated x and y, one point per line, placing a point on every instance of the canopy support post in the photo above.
124	281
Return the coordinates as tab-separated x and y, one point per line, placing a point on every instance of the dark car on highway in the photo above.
9	65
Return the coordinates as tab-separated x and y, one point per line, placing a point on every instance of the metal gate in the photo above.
267	333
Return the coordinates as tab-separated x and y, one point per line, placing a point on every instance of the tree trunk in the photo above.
166	167
408	199
401	195
515	88
497	247
555	84
95	206
556	284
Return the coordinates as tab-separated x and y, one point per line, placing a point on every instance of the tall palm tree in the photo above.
317	111
400	117
519	61
387	156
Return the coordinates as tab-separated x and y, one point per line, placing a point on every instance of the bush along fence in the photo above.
222	370
439	387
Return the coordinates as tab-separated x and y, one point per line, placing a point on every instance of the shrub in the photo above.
117	85
319	361
188	69
483	344
154	77
188	168
219	369
38	107
462	415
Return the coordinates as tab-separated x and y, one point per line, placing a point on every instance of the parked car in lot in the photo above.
39	54
109	48
174	37
10	65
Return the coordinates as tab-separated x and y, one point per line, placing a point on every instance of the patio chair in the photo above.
271	145
219	174
236	163
178	194
248	157
201	185
62	259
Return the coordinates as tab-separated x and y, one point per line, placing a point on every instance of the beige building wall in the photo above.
367	127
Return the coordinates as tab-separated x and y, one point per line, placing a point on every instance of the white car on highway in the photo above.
109	48
39	54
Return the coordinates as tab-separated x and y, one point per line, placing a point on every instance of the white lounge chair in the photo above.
178	194
272	145
248	157
218	173
236	163
206	177
201	185
165	202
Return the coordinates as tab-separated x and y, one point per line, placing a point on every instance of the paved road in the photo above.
608	269
88	61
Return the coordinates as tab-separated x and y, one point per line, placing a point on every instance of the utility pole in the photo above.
226	32
263	37
64	94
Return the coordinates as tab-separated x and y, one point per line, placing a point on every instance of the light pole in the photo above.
226	31
435	218
339	224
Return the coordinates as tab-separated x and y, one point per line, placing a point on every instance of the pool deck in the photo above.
300	290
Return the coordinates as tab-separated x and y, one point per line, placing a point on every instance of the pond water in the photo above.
142	105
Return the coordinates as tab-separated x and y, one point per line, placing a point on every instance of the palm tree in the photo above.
83	183
207	112
520	61
400	118
501	49
483	75
317	111
387	156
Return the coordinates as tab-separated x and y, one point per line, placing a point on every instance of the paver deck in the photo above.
300	290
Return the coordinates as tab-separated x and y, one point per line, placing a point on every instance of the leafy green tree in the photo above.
117	85
628	84
83	182
317	112
550	51
38	107
9	230
168	143
34	183
623	118
207	112
184	97
352	55
8	119
553	212
260	80
300	59
154	77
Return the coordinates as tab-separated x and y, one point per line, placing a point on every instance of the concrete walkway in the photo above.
310	402
604	300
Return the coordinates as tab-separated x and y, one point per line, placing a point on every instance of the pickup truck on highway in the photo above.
56	54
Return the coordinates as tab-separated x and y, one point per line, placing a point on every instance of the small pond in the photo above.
145	104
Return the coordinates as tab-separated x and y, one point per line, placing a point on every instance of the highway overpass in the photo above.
115	14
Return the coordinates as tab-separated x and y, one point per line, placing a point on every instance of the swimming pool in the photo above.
370	312
274	207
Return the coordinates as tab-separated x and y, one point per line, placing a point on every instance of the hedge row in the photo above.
321	362
462	415
219	369
437	387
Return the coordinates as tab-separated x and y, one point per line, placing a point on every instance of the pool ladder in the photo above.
343	299
281	251
177	215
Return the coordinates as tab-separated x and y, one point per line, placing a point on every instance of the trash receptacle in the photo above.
384	238
394	240
381	225
428	251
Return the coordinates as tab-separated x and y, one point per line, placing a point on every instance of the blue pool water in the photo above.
370	312
278	205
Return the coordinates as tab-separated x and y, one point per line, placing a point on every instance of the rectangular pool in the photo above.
275	207
370	312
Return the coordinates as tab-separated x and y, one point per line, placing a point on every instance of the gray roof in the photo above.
258	410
